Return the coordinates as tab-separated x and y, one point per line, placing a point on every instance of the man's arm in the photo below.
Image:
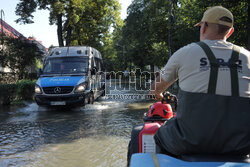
158	87
169	75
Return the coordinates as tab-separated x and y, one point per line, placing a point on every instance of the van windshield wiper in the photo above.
51	75
46	75
64	74
78	74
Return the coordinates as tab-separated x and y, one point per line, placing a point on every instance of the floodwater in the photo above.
92	136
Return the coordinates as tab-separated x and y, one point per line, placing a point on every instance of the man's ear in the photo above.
203	27
202	31
231	30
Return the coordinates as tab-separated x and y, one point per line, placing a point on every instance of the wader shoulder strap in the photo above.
214	65
233	70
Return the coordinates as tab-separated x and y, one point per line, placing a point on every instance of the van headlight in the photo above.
81	88
38	89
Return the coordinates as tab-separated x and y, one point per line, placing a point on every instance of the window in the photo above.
66	65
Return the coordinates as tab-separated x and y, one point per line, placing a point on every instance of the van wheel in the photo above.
91	99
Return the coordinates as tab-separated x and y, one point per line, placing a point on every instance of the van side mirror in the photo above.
39	72
93	71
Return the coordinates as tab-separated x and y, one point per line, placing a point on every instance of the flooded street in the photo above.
92	136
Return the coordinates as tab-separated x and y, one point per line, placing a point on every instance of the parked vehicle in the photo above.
142	148
70	76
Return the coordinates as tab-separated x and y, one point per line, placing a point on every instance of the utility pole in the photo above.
123	55
169	31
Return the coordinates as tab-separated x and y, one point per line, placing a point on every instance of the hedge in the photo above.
7	93
22	90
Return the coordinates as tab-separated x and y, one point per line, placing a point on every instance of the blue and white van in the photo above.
70	76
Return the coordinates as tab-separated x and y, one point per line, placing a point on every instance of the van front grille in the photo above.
58	90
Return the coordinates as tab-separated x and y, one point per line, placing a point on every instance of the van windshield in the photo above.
66	65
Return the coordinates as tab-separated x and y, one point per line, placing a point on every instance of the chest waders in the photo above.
214	66
207	123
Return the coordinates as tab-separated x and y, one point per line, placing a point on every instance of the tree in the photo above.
25	9
153	27
248	25
19	55
112	58
194	9
144	33
94	22
135	34
79	22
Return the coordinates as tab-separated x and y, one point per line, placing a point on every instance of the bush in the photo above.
31	76
7	93
7	78
22	90
25	89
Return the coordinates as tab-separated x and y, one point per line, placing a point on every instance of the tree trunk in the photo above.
69	32
248	26
59	30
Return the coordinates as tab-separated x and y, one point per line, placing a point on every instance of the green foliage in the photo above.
79	22
152	27
191	11
19	55
22	90
25	9
39	64
160	49
7	93
147	29
25	89
90	21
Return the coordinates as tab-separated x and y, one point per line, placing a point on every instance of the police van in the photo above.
70	76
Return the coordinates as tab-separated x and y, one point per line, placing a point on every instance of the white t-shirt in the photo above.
191	66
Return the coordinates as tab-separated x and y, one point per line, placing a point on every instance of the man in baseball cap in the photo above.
220	20
213	77
215	15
